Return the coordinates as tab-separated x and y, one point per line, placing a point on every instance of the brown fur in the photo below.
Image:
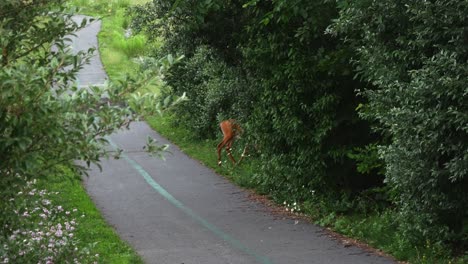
231	130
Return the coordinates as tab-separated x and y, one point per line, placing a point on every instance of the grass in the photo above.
92	228
118	51
203	151
103	7
118	47
112	44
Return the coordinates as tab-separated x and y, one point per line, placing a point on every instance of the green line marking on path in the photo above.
236	243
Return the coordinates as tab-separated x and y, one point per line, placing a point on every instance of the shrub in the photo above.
45	119
216	92
305	118
292	82
415	55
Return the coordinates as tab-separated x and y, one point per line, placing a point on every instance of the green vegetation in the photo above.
92	228
115	49
202	150
117	46
373	227
356	108
417	66
47	123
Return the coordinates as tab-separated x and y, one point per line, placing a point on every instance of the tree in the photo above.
269	65
45	119
415	55
305	118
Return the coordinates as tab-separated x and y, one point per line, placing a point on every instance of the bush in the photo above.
408	82
216	92
45	119
415	55
288	83
305	118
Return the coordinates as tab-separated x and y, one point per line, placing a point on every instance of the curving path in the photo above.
178	211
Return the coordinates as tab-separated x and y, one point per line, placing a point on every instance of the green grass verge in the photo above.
115	49
118	47
118	51
92	228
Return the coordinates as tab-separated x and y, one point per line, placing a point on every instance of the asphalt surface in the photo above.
178	211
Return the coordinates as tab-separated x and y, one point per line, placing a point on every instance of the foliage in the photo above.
277	60
305	119
42	232
47	120
215	90
270	66
92	229
101	7
184	25
415	55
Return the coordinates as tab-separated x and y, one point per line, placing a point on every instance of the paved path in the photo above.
178	211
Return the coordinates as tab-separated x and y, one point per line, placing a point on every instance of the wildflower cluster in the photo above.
41	231
293	207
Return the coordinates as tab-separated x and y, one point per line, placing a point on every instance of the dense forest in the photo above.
360	105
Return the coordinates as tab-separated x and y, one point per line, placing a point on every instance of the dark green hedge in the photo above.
415	53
